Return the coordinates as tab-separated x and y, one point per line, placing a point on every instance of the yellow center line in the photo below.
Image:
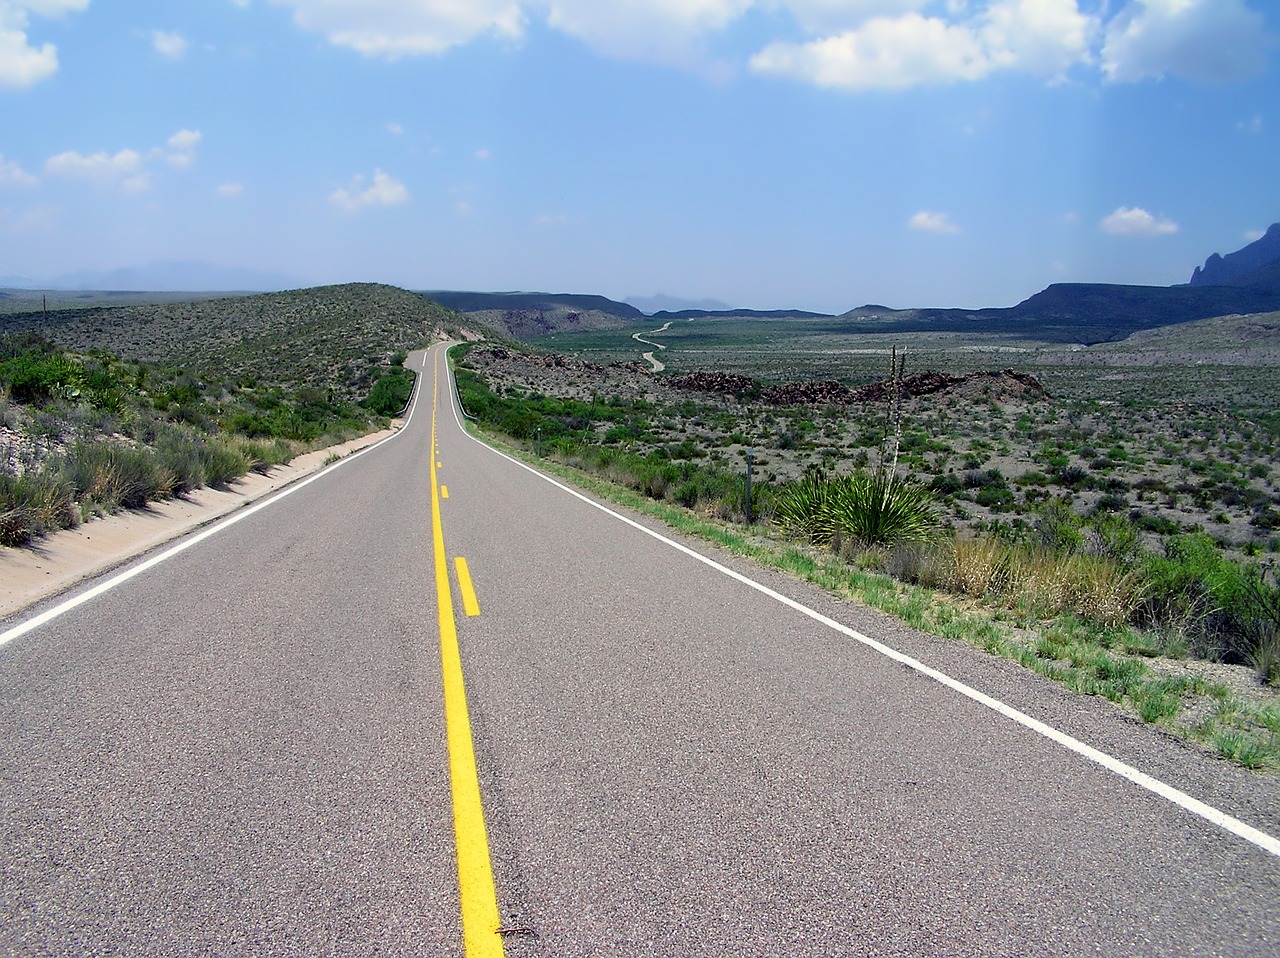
444	492
479	898
469	603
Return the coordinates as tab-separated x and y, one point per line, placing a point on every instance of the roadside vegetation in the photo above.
85	432
1148	615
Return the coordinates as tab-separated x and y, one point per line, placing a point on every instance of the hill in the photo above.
529	315
332	337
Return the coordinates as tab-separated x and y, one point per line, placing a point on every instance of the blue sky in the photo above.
817	154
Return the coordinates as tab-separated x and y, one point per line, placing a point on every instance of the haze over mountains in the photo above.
162	278
1241	282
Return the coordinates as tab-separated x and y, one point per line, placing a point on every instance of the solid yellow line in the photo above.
444	492
469	603
479	898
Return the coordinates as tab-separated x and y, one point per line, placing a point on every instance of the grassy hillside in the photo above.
331	337
114	406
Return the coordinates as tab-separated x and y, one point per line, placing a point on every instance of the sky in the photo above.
811	154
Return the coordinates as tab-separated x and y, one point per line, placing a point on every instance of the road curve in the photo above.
244	750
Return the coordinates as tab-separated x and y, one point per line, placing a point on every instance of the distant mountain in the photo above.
742	313
472	302
176	277
529	315
1237	269
665	303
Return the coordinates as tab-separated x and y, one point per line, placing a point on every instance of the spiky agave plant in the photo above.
877	509
800	506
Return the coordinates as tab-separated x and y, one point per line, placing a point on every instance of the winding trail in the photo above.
656	364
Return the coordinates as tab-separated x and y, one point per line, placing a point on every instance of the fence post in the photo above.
748	487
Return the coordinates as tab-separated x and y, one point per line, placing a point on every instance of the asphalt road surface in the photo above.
261	746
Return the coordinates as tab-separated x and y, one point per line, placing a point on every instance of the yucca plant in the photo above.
877	509
800	506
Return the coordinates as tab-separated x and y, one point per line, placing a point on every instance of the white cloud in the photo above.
21	64
483	154
124	169
383	190
929	222
1252	125
882	54
171	45
663	30
1214	40
181	148
127	169
1135	221
392	29
11	174
1252	236
395	129
230	190
1042	37
849	44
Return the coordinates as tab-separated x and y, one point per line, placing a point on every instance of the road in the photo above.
248	748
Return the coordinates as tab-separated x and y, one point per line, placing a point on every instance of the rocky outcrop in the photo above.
1006	384
724	384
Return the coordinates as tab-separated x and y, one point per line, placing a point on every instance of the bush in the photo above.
391	391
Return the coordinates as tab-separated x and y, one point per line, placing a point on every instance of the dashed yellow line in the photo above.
479	898
444	492
469	603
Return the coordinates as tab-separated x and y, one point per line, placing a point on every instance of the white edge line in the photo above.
1235	826
107	585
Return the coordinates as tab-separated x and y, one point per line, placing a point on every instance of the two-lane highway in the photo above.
307	735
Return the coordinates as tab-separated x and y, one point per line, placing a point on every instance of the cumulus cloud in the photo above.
23	64
663	30
382	190
884	54
170	45
848	44
1135	221
230	190
927	221
1042	37
11	174
125	169
389	29
180	150
1213	40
